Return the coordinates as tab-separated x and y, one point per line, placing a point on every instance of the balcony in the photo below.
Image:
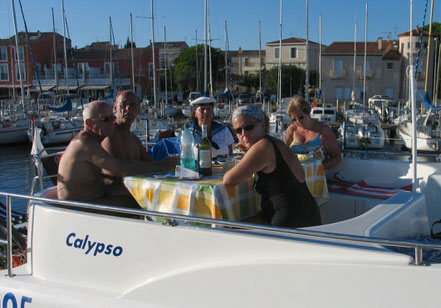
339	74
369	74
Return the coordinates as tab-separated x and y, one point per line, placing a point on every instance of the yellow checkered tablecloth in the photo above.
208	197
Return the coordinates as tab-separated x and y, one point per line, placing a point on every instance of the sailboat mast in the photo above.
428	49
17	53
354	70
226	57
55	51
205	44
131	53
260	64
153	55
307	52
66	73
209	54
320	53
279	92
413	101
165	65
365	52
112	78
198	86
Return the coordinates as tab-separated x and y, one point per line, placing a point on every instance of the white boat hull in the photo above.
424	142
13	134
78	259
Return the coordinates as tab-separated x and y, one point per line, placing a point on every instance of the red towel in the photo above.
363	189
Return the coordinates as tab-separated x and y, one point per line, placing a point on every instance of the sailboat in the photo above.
13	124
428	128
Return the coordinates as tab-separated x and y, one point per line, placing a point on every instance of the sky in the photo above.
88	20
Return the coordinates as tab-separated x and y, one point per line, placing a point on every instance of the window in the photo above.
389	92
402	47
338	92
4	72
390	65
408	44
3	54
107	68
338	68
276	52
151	71
23	72
347	93
246	61
21	53
293	53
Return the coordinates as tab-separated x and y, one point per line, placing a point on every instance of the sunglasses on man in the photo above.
294	119
107	118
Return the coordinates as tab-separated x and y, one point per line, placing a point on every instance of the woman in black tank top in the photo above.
286	200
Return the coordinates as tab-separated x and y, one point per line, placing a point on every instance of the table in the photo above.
209	198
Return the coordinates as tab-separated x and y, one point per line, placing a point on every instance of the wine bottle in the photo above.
204	153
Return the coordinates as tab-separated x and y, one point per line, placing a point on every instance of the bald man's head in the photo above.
95	109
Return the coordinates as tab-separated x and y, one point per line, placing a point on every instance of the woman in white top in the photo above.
220	135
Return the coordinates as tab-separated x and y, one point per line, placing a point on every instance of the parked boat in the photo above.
221	110
186	110
13	128
327	114
428	133
362	129
56	130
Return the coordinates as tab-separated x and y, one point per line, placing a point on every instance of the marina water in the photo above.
16	172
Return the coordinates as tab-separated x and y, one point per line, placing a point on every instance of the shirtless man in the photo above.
79	172
122	143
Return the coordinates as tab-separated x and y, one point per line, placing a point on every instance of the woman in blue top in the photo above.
279	177
306	135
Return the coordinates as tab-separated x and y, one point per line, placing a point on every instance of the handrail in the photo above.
390	153
417	246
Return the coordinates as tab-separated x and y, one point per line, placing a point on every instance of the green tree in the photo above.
249	81
129	44
185	73
436	29
293	80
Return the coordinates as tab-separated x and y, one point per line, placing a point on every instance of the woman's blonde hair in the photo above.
298	104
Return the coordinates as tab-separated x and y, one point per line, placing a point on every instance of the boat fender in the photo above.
80	243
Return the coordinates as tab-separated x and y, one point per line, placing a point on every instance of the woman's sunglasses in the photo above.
246	128
298	118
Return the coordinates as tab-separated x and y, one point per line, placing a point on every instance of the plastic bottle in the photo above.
204	153
187	152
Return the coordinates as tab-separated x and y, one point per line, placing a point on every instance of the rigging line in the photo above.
72	57
420	41
30	47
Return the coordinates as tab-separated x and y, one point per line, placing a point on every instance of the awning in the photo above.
44	88
4	86
94	87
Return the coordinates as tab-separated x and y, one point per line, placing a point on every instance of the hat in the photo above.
203	101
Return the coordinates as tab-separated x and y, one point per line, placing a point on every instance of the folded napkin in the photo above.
182	172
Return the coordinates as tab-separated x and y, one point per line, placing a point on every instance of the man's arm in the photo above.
121	167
